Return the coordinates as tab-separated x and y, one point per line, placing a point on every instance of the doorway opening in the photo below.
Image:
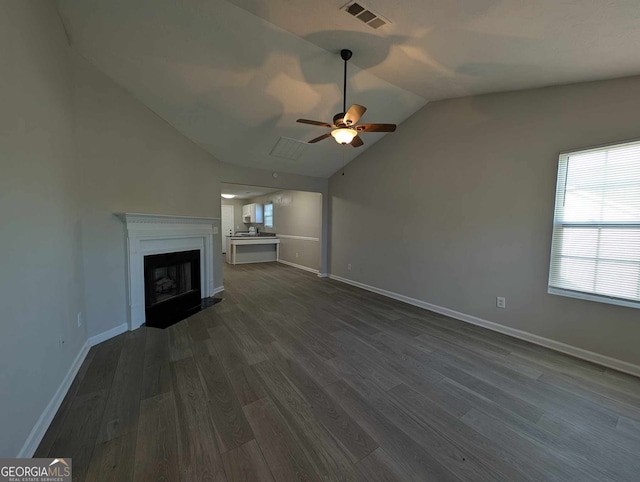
261	224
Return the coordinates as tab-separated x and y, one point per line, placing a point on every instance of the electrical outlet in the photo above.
297	255
501	302
349	266
79	316
215	230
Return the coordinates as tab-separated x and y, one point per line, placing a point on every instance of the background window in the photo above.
268	215
595	251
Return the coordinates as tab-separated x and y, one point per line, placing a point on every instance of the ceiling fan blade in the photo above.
376	128
352	116
357	141
318	139
314	123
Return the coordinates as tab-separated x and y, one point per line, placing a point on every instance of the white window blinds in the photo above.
268	215
595	251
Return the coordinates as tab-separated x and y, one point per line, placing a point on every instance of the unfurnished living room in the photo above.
319	240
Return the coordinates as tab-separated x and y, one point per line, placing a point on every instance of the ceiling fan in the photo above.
345	127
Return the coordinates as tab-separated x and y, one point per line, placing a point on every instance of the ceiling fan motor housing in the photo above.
338	119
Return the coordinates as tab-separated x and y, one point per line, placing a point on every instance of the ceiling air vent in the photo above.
289	148
364	13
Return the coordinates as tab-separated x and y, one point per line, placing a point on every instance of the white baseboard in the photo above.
323	275
587	355
299	266
104	336
218	290
41	426
301	238
253	262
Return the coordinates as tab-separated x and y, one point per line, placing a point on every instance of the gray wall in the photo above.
130	160
296	213
461	202
40	234
74	149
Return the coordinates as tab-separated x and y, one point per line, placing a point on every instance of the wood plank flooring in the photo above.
293	377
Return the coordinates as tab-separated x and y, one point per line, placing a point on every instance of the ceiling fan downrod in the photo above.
346	55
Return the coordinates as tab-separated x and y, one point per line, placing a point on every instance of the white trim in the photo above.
217	290
592	297
149	234
302	238
323	275
587	355
256	240
45	419
299	266
106	335
129	218
251	262
580	150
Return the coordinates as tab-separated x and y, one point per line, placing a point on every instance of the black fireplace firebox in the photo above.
172	287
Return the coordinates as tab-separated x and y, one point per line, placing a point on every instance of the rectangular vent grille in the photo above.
289	148
364	13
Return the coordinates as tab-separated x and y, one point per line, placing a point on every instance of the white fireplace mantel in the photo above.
149	234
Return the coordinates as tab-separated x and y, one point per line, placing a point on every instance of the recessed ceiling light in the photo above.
228	196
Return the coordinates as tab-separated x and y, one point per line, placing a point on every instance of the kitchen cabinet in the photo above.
252	213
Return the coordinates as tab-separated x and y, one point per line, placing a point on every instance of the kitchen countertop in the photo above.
253	237
252	249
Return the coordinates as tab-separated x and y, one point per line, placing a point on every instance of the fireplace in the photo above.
150	234
171	287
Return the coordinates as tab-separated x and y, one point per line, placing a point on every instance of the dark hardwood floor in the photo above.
293	377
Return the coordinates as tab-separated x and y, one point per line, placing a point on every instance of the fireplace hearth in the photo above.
172	287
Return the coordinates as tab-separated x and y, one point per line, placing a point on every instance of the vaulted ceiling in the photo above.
233	76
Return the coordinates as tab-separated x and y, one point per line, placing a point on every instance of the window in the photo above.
268	215
595	251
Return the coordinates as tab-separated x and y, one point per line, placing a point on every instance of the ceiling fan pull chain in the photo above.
343	162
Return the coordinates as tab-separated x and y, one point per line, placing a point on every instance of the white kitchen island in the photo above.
252	249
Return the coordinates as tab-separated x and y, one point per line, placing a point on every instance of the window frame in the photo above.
559	194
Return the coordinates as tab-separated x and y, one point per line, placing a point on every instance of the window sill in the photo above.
591	297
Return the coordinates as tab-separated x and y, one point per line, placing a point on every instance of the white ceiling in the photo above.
245	192
233	76
450	48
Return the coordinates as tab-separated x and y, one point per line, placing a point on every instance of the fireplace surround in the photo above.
152	234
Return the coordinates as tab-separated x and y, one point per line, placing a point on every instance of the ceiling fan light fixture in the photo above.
228	196
344	135
345	124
